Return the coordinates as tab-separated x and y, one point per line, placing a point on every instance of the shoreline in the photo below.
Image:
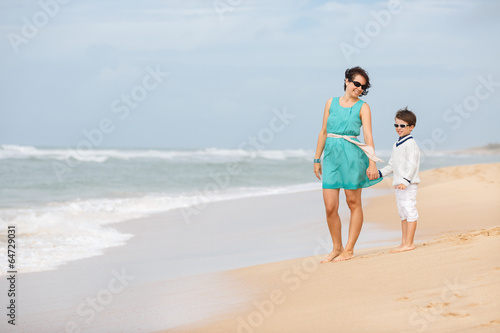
213	211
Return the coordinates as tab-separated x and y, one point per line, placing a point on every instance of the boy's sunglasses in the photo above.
357	84
402	125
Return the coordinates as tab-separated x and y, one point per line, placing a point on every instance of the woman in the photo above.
345	162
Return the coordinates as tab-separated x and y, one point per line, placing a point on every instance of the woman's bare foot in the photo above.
398	249
403	248
345	255
334	254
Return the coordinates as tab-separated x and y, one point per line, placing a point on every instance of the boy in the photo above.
404	163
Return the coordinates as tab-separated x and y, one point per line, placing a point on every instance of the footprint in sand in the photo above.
474	305
492	323
454	314
433	305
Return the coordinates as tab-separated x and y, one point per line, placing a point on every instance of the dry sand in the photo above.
450	200
449	284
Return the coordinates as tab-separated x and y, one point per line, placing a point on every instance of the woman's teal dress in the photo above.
344	163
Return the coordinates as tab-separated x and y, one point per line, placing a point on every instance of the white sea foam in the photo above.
49	239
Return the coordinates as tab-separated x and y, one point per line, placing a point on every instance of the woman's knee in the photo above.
353	203
331	199
331	209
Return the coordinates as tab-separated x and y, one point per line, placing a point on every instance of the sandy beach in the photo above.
449	283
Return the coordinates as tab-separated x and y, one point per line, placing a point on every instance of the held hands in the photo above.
400	187
317	170
372	172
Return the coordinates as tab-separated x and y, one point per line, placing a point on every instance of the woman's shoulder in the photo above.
330	101
364	107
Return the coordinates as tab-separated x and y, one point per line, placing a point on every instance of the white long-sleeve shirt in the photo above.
404	162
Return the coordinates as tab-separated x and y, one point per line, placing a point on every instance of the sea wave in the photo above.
212	155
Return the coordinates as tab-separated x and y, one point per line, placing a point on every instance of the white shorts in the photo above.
406	200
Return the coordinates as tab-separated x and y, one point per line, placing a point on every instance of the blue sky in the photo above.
225	68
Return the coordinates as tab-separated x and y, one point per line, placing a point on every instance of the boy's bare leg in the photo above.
404	228
408	237
331	198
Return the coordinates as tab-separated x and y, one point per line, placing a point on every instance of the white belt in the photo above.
367	149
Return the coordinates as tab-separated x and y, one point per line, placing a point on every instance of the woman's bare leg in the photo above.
331	198
353	198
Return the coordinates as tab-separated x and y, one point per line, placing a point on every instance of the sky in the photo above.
249	74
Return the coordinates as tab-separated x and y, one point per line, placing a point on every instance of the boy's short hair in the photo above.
407	116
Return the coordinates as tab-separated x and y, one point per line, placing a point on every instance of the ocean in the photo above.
64	203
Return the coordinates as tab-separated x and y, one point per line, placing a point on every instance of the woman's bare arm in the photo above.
366	119
322	139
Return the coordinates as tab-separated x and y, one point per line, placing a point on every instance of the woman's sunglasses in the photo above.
402	125
357	84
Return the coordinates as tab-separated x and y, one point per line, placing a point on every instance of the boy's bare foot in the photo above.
334	254
403	248
345	255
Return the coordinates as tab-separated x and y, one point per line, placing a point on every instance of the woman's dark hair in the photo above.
407	116
350	73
